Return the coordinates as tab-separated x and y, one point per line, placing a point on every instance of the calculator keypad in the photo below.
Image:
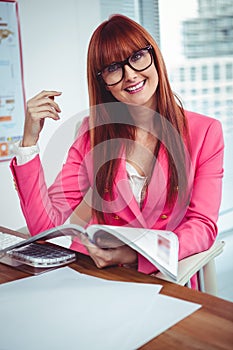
43	255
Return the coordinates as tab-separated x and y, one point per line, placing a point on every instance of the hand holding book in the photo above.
107	250
106	240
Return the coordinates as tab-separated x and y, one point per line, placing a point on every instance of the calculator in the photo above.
42	255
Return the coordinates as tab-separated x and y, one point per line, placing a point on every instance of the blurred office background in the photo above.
196	39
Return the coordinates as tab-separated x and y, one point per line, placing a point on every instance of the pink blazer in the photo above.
194	224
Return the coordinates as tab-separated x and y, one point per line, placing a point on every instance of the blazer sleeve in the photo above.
198	229
44	207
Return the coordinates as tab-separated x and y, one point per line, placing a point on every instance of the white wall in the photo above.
55	36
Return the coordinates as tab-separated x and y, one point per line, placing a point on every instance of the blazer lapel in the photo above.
157	190
127	206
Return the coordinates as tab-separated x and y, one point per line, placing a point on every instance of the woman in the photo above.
148	162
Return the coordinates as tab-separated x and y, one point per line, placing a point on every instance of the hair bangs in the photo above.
115	36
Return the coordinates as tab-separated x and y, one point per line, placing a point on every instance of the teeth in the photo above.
138	86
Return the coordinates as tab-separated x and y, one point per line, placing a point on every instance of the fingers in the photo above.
101	257
108	242
39	108
46	93
43	105
112	256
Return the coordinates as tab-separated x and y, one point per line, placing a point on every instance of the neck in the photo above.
144	118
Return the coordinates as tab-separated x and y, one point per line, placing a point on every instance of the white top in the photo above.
137	182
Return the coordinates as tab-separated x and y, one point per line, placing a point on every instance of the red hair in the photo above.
114	40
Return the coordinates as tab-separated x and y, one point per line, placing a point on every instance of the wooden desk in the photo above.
211	327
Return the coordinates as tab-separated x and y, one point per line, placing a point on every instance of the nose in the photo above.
129	73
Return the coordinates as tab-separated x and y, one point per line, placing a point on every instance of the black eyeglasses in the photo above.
138	61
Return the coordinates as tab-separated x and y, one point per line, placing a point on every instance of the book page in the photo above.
66	232
160	247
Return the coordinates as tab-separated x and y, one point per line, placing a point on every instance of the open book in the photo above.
160	247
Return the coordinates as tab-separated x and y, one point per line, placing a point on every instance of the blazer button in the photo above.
116	217
164	216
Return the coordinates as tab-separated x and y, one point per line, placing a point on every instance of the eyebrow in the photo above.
120	61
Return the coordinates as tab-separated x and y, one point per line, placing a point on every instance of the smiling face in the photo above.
120	42
137	88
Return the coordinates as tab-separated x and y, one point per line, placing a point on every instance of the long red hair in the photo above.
114	40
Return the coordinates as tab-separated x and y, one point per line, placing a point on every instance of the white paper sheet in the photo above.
63	309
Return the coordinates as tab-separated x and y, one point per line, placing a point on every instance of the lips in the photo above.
135	88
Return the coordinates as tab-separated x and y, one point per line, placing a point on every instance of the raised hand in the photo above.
39	108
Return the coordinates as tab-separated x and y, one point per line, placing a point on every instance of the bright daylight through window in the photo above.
196	39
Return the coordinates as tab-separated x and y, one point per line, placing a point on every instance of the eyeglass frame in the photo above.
122	64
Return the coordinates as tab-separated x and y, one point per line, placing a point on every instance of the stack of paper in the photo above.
63	309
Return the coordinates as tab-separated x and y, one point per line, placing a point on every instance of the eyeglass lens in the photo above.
139	61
